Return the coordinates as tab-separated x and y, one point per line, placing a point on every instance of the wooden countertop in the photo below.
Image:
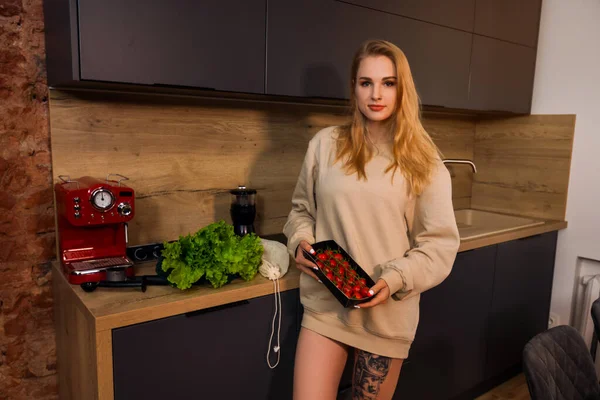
107	309
547	226
114	308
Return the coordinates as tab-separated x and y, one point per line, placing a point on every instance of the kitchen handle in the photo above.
153	280
530	237
91	286
192	314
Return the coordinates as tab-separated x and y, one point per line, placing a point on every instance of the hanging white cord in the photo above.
277	348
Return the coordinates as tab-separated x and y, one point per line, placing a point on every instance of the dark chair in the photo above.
558	366
596	319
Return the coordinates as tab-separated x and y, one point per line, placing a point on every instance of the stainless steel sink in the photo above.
475	223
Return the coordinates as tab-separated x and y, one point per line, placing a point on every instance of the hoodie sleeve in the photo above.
300	224
434	241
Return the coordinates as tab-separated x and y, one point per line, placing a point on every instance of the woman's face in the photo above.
375	88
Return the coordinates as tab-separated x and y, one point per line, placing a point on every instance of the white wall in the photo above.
567	81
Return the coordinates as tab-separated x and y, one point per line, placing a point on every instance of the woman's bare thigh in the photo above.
374	377
318	367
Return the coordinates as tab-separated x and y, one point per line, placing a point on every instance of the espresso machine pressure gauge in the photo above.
102	199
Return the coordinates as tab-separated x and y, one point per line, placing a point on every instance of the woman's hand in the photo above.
302	263
381	293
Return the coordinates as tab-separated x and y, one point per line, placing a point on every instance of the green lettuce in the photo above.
214	253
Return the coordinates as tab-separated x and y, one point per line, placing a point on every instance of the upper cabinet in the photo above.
515	21
501	76
457	14
503	55
311	44
464	54
216	44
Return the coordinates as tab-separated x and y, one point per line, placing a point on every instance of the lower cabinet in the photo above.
448	354
473	327
521	302
472	330
218	353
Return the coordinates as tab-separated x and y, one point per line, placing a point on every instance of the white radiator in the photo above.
587	291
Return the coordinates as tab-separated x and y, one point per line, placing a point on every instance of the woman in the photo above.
379	189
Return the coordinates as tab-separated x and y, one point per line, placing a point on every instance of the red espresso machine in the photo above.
92	216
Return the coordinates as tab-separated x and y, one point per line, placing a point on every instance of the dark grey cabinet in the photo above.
217	353
515	21
474	325
448	355
521	299
472	330
164	42
502	76
311	44
504	53
464	54
457	14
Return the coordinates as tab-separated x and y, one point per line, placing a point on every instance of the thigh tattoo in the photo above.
370	371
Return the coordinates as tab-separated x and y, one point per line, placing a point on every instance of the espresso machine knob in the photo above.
124	209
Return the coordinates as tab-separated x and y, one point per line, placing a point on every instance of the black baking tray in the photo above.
339	295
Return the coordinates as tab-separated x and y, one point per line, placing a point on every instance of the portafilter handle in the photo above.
91	286
138	281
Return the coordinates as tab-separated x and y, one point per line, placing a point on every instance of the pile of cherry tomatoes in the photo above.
339	271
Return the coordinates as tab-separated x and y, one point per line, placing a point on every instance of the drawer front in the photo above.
218	353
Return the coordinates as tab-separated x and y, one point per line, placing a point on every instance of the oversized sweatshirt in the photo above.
408	241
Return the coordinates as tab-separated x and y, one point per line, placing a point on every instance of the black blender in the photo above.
243	210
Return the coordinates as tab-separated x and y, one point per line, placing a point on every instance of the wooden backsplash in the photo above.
524	164
184	154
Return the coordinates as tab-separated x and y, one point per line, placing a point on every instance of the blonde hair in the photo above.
414	152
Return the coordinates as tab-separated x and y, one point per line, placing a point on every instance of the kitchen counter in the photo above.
113	308
488	238
85	321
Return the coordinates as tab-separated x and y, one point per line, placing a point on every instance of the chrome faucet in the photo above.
456	161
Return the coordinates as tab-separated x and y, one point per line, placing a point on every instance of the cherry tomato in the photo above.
338	280
358	295
338	256
339	285
356	288
341	270
327	270
364	291
320	264
346	264
328	253
347	291
329	276
362	281
322	256
332	262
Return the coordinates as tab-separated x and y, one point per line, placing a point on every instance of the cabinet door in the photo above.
501	76
448	354
457	14
217	353
521	300
311	44
515	21
217	44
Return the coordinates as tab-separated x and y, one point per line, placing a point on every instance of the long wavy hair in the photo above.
414	152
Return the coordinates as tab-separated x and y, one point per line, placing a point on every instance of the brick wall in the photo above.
27	341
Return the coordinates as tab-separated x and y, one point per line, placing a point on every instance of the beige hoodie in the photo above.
409	242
